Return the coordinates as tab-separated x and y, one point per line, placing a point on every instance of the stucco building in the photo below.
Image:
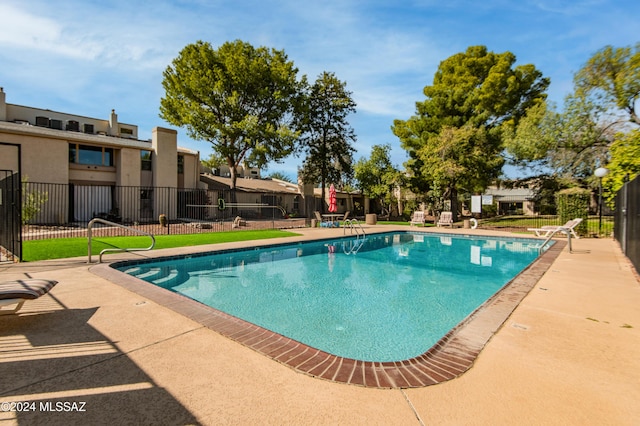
93	160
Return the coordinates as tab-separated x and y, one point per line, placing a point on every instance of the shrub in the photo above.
573	203
32	202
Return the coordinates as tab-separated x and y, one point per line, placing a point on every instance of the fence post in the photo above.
625	218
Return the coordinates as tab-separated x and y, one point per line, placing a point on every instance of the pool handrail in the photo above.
352	223
107	222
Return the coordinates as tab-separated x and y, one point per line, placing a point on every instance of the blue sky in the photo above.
87	57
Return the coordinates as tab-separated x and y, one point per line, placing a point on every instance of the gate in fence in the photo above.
10	203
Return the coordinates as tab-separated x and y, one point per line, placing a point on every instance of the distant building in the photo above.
294	200
515	201
91	157
257	198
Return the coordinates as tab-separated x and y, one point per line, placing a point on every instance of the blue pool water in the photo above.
388	299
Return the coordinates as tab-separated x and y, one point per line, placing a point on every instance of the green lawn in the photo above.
591	226
58	248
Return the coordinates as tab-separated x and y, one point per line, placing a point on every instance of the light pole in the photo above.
600	173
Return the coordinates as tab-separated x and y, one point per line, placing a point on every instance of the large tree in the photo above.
568	145
612	77
598	115
624	164
455	139
327	138
239	98
378	178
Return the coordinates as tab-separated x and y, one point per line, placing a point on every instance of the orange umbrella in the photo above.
333	203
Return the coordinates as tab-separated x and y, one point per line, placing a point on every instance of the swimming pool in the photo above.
389	298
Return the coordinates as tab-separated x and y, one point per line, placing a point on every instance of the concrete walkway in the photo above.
92	352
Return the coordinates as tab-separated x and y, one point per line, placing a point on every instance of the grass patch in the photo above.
58	248
590	226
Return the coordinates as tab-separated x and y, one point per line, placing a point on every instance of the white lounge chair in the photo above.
569	227
446	219
19	291
417	218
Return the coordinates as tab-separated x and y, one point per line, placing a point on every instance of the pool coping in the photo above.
450	357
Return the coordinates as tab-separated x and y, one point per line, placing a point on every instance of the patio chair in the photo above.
547	230
446	219
322	222
417	218
19	291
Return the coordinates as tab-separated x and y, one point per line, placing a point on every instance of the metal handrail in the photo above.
565	230
107	222
354	246
361	236
351	223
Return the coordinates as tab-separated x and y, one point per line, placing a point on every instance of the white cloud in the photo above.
23	30
102	40
87	57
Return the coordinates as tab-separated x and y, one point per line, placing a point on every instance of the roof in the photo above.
521	193
250	184
28	129
317	192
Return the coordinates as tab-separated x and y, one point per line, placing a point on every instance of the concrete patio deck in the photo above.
568	354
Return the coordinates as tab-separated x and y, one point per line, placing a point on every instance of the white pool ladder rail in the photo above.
354	246
107	222
354	226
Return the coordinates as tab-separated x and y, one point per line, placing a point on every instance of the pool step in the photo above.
169	280
133	271
163	276
150	274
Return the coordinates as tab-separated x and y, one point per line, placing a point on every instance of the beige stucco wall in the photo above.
92	175
165	168
191	170
128	174
8	156
43	159
128	167
164	144
528	208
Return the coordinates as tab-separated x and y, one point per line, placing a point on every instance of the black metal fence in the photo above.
64	210
627	222
517	215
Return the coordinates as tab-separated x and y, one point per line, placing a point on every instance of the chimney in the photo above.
3	105
113	124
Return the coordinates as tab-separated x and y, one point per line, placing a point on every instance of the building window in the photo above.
145	160
73	153
90	155
296	204
180	164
